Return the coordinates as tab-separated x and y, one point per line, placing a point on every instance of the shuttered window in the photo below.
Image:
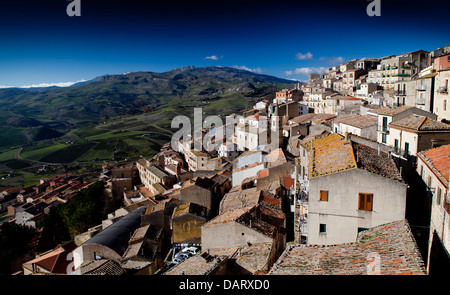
324	196
365	202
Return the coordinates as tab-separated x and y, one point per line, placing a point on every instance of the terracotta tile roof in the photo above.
258	225
254	258
200	264
358	120
239	199
263	173
247	167
438	159
378	163
228	216
101	267
419	123
393	244
391	111
55	261
330	154
311	117
277	156
288	182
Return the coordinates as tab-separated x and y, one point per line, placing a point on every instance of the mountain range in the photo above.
27	115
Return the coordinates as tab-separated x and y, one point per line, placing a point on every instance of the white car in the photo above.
191	250
179	257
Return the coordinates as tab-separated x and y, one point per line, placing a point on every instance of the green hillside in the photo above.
118	117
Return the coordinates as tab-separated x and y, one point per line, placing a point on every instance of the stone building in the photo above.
246	226
416	133
352	187
441	105
186	223
111	242
433	166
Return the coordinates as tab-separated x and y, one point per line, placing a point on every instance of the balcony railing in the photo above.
400	92
401	152
442	90
383	129
421	88
420	101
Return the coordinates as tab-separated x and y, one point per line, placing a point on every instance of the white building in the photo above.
416	133
441	98
351	188
434	168
365	126
388	115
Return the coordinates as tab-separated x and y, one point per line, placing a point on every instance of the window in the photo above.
360	229
406	148
421	170
324	196
396	145
385	123
365	202
384	137
323	228
429	181
438	196
445	105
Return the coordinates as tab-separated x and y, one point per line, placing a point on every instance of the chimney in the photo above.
347	136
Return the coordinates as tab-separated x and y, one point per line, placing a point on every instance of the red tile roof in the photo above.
438	159
393	244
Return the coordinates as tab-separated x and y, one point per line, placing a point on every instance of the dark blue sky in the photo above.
40	44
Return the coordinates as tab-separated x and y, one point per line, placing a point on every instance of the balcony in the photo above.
400	92
442	90
401	152
419	101
383	129
421	88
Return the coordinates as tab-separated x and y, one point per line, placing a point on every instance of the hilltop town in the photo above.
357	184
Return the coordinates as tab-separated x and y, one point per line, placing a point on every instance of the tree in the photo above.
14	242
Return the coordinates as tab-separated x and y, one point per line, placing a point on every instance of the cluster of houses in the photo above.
27	205
332	197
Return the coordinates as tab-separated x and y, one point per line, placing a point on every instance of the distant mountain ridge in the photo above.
109	96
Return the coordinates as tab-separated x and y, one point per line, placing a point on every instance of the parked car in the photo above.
178	258
191	250
181	256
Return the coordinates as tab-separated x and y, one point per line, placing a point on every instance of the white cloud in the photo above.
306	56
255	70
335	60
306	71
213	57
58	84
